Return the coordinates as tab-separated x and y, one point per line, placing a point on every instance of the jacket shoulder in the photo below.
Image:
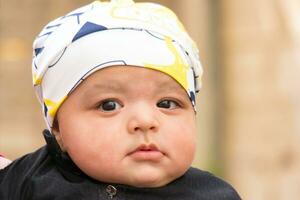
14	177
26	163
209	186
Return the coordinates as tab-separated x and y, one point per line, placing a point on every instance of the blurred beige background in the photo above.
248	109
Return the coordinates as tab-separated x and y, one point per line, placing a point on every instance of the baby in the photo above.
117	83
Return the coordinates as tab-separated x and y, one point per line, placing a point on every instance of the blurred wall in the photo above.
260	66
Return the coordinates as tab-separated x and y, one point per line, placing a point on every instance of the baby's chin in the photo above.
152	180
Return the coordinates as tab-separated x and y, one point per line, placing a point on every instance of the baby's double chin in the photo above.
155	179
152	183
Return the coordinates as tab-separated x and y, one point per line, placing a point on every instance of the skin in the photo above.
4	162
128	125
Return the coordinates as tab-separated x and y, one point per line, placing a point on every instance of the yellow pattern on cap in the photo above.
147	13
52	106
36	79
178	69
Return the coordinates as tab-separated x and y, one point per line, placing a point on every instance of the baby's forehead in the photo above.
126	78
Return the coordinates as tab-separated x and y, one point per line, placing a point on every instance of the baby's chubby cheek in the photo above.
184	153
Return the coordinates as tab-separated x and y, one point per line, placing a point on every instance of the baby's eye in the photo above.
168	104
109	105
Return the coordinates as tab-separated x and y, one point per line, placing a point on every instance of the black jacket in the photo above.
48	174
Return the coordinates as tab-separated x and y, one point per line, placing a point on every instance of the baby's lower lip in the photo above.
147	155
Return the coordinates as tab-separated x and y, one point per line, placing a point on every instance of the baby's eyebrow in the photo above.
108	87
104	88
168	86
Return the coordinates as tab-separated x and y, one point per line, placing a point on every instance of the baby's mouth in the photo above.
146	152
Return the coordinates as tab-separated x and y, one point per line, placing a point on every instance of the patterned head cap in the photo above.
102	34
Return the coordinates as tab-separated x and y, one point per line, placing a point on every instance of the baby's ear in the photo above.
55	126
57	134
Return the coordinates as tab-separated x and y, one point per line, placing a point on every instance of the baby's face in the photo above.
129	125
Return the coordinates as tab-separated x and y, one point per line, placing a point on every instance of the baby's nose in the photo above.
143	119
